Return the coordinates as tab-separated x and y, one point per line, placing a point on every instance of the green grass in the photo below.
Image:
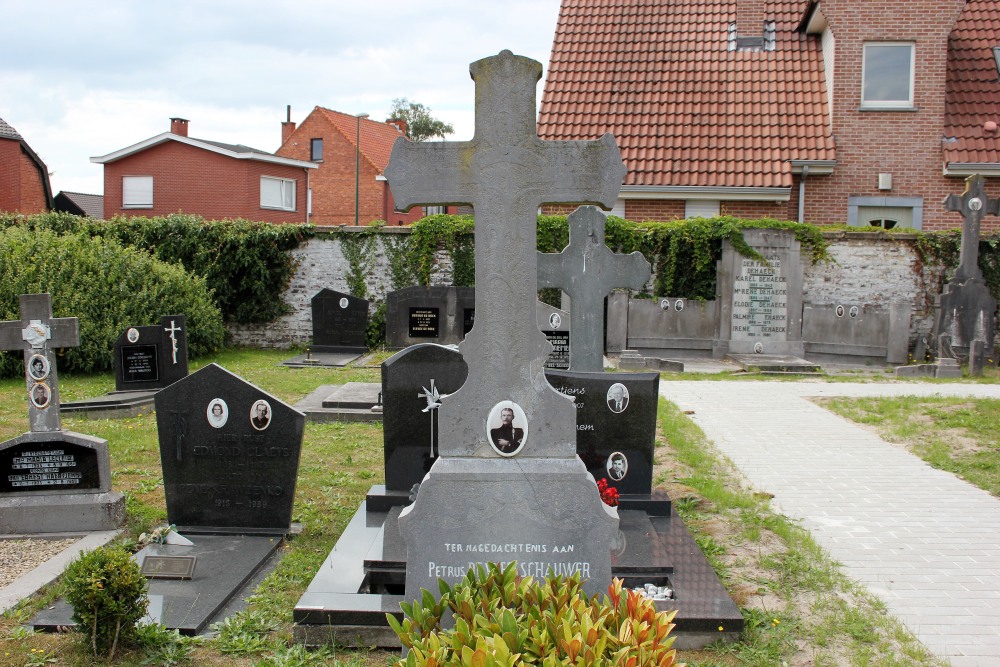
959	435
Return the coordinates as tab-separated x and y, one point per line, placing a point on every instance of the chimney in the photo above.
750	15
288	126
179	126
399	124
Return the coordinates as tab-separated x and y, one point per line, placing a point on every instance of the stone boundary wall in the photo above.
866	269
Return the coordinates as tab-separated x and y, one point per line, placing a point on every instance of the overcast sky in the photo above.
86	78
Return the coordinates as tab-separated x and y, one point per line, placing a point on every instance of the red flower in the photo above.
609	494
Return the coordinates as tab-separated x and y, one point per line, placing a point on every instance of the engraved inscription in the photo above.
760	300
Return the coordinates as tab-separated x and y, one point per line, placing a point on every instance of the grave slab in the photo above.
311	358
312	405
774	363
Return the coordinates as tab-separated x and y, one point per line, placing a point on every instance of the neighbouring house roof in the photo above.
377	138
79	203
973	91
235	151
688	113
8	132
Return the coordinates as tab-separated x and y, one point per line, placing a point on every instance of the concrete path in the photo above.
924	541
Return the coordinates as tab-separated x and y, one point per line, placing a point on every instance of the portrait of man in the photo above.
260	415
506	426
617	398
218	413
38	367
41	395
617	466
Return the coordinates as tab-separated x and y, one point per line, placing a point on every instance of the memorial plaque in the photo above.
47	466
554	323
615	424
168	567
340	321
230	454
424	323
760	300
151	357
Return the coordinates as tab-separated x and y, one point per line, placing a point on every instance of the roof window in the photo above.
762	42
996	57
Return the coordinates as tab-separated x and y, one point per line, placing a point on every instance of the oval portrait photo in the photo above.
218	413
38	367
617	398
617	466
260	415
41	394
506	428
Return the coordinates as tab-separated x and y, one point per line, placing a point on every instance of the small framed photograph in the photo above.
38	367
506	428
260	415
218	413
41	395
617	398
617	466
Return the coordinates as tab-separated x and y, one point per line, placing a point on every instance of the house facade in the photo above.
861	112
24	178
173	172
351	152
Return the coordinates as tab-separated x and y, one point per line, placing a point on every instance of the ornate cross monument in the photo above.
51	480
508	484
587	270
965	321
38	334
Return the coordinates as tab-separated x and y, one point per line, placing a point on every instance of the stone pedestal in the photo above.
544	513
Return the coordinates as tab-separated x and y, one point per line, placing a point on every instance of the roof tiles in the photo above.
376	138
685	110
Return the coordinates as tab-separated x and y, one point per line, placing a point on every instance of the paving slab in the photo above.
921	539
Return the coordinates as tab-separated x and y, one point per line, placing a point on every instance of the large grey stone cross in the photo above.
38	334
973	204
587	270
505	172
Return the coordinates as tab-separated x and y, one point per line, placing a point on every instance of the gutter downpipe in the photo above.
802	193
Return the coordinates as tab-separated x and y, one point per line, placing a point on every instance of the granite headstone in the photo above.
230	454
555	324
340	322
151	357
439	314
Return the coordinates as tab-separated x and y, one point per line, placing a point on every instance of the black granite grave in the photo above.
340	326
428	315
146	359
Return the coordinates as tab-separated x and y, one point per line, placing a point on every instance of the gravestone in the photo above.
340	322
587	271
439	314
230	455
413	380
615	425
555	324
51	480
966	314
151	357
507	484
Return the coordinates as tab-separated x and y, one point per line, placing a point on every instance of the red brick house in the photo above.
24	178
866	112
351	153
172	172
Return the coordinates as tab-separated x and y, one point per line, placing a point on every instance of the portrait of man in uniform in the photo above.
506	428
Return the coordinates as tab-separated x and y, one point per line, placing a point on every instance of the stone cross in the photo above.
587	270
973	204
506	172
38	334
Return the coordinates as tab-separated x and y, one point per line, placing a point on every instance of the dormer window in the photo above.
763	42
887	76
996	58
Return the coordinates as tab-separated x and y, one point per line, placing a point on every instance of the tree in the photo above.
420	124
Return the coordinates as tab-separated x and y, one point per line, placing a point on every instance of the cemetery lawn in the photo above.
800	610
959	435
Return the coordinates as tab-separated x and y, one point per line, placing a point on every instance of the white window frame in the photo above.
702	208
887	104
137	192
286	194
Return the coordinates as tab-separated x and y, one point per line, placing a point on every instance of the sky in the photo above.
86	78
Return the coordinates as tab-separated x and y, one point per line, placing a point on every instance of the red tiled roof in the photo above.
376	138
973	88
685	110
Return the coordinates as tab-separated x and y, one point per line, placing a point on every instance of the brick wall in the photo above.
32	187
198	181
21	185
660	210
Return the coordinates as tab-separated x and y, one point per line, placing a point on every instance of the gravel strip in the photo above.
19	557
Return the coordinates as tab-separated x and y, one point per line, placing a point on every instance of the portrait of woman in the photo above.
38	367
218	413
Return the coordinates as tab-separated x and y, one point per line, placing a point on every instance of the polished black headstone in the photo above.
437	314
50	465
230	454
151	357
607	427
407	428
340	321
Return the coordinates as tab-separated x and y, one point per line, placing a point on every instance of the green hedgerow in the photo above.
108	594
107	287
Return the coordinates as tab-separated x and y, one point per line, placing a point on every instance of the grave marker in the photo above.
340	322
587	271
151	357
535	503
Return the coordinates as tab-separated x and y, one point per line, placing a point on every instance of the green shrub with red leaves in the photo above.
503	620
